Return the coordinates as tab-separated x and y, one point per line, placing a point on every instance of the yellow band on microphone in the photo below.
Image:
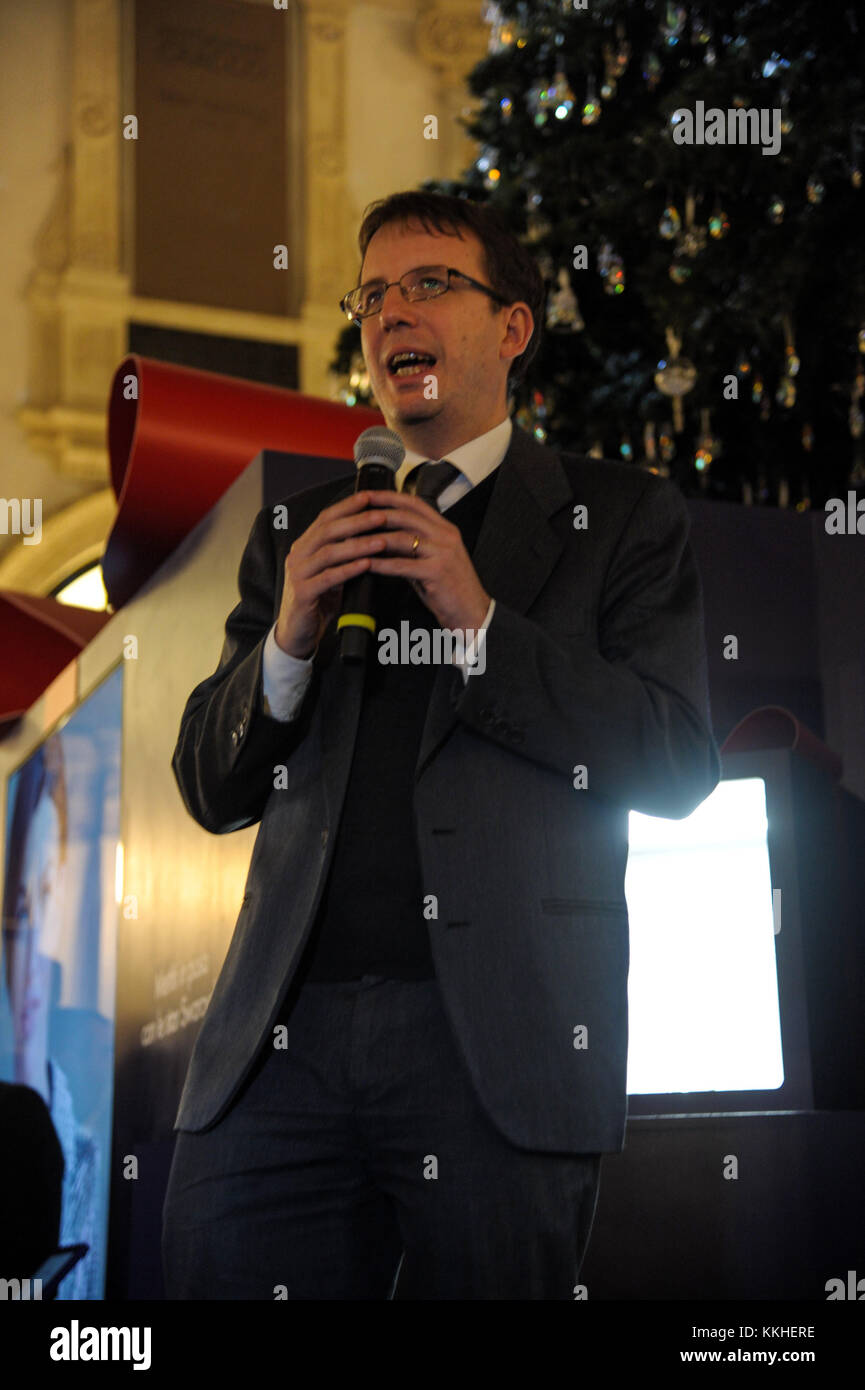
356	620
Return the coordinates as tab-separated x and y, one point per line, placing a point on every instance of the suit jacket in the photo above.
595	657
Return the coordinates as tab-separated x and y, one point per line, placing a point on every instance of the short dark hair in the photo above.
511	271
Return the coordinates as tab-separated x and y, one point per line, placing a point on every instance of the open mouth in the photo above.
409	363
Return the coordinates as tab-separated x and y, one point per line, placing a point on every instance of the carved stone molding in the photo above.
328	234
80	295
77	293
451	37
95	225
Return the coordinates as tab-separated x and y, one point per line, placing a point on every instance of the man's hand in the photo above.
330	551
439	569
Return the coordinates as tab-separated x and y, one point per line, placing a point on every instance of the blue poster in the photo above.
57	984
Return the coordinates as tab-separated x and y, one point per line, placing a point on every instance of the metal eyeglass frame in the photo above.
356	318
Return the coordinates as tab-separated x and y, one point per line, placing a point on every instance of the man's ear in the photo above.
520	327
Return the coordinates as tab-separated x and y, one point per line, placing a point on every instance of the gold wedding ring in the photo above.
414	545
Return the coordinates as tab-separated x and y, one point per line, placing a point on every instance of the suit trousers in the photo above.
357	1163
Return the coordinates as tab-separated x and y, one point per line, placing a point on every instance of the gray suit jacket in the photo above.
595	656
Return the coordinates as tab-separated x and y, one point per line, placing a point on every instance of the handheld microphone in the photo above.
378	453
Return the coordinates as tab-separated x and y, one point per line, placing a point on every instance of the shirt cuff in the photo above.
473	662
284	680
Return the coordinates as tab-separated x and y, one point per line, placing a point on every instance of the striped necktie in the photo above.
430	479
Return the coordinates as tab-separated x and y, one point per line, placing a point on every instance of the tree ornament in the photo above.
719	224
700	33
539	406
563	312
675	377
670	223
615	280
673	23
622	55
489	167
679	272
563	101
543	103
592	109
626	449
650	448
538	228
776	211
692	242
533	417
506	106
666	447
708	447
702	460
535	104
612	269
355	387
358	375
501	33
814	190
807	437
692	239
651	462
616	59
774	64
757	390
652	70
786	392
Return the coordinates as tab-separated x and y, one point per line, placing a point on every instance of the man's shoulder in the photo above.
294	512
318	495
589	476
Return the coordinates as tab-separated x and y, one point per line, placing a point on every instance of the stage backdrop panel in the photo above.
183	886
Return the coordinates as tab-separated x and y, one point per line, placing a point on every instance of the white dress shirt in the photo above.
285	678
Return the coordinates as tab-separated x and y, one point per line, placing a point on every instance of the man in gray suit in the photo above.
415	1053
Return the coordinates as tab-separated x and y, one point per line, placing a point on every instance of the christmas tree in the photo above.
690	180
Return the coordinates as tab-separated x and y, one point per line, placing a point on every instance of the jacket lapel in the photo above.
515	553
514	556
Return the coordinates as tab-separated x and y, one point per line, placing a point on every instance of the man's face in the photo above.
472	346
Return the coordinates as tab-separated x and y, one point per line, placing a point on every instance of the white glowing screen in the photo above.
703	987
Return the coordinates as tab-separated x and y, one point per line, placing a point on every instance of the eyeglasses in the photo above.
424	282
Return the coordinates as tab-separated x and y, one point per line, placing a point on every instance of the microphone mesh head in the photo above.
379	445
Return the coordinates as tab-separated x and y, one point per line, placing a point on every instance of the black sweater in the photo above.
370	920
